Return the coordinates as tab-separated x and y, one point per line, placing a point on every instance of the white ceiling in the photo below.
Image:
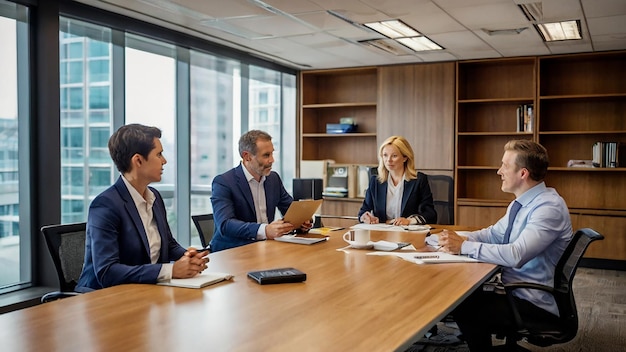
302	34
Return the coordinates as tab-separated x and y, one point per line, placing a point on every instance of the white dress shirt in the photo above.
394	198
260	203
144	207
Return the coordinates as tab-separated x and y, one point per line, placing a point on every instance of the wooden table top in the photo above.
350	301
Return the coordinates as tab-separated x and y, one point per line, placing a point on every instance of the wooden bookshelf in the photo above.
327	96
578	100
488	95
582	100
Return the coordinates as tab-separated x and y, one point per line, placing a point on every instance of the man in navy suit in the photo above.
128	237
245	198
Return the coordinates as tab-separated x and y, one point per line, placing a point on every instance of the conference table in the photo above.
350	301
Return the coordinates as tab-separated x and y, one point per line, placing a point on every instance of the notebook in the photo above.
198	281
301	211
300	240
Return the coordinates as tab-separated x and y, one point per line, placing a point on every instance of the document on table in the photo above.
198	281
377	227
389	227
429	257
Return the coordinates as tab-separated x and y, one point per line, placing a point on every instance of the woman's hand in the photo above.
369	218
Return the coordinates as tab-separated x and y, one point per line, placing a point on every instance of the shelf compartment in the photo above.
315	119
496	79
599	73
339	86
484	184
480	215
498	116
345	150
590	190
606	114
484	150
574	146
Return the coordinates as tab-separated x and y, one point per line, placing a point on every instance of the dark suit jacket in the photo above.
417	199
233	207
116	248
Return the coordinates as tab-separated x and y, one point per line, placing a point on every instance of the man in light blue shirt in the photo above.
527	250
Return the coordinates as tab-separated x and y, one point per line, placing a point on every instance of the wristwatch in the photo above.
416	219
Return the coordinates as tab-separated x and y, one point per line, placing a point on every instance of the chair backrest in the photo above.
442	188
563	293
205	225
66	244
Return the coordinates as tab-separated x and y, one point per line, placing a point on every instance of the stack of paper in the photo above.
429	257
300	240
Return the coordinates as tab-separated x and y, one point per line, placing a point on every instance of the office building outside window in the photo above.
15	264
85	52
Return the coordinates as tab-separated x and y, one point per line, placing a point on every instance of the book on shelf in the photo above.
525	118
609	154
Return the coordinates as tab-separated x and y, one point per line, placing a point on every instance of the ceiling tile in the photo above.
311	36
219	8
603	8
607	25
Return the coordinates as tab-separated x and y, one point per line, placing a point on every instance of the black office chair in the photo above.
205	225
543	333
66	244
442	188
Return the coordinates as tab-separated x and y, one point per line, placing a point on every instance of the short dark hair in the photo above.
129	140
530	155
247	142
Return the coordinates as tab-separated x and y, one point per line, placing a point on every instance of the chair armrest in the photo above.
510	287
56	295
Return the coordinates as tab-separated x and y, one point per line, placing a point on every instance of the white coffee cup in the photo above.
358	237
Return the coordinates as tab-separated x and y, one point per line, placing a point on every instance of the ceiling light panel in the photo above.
393	29
420	43
388	45
555	31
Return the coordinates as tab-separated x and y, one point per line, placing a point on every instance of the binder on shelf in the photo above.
348	180
525	118
364	173
609	154
338	181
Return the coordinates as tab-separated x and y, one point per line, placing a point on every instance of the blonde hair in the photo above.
405	149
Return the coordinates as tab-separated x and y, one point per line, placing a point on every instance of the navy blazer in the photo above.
233	207
116	248
417	199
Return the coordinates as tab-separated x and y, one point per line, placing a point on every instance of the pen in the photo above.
426	257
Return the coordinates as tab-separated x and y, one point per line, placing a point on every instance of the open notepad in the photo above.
429	257
198	281
300	239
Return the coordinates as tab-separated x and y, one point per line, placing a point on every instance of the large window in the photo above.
14	154
215	113
203	96
85	52
151	100
202	102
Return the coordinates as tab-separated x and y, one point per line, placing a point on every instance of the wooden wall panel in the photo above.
418	102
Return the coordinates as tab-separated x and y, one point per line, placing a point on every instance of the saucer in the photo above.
368	245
